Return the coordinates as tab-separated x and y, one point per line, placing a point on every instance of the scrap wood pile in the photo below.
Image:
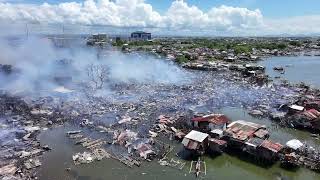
96	152
137	148
169	125
172	163
20	124
297	154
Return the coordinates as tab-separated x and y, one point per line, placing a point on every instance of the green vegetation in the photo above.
295	43
119	43
238	45
270	46
238	49
182	59
142	43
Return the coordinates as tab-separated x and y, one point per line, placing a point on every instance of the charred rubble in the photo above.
136	111
132	134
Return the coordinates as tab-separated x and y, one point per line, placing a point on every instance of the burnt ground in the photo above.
24	116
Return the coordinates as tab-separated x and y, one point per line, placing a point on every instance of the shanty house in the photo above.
239	132
269	150
196	141
210	122
217	145
307	119
251	145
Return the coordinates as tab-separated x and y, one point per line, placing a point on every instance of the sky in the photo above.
213	17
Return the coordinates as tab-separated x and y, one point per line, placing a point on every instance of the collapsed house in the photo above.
307	119
306	116
290	157
295	154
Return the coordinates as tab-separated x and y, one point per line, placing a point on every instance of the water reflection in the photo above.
297	69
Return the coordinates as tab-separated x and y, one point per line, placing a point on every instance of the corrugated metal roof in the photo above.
217	119
196	136
311	114
242	130
217	141
261	133
243	123
275	147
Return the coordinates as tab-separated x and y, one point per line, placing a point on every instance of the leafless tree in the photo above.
97	74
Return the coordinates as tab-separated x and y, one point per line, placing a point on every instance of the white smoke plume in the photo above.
35	63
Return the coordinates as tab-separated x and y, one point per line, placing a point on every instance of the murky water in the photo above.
297	69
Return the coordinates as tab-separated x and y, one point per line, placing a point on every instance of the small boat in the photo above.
198	167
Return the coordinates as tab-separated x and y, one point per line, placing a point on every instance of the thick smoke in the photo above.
143	69
39	66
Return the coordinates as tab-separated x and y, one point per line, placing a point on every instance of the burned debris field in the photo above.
167	108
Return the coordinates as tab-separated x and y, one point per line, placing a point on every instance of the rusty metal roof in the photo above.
242	130
217	141
311	114
275	147
217	119
261	133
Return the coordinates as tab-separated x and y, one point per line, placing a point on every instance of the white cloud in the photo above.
224	20
137	13
294	25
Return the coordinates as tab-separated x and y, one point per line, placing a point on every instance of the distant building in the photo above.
99	37
140	36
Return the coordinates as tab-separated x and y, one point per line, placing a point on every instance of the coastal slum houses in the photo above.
210	122
307	119
295	153
239	132
252	138
196	142
305	116
248	138
214	124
